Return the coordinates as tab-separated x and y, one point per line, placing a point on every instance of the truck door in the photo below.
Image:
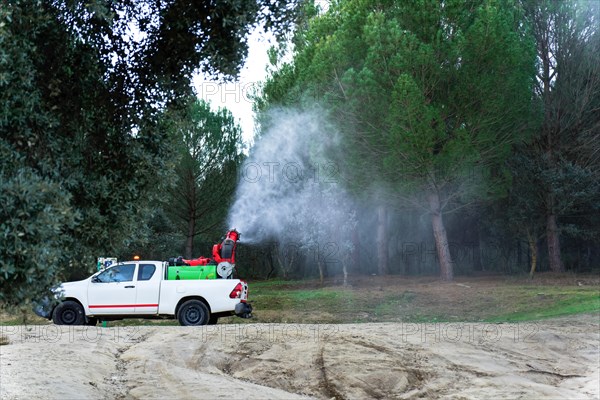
148	288
113	291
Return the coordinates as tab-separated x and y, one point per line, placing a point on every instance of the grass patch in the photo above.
392	304
10	321
553	302
279	283
393	299
20	316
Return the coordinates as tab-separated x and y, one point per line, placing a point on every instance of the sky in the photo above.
235	95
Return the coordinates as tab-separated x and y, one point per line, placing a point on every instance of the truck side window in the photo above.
146	271
118	273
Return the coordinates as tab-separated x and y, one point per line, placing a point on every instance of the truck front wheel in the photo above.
68	313
193	313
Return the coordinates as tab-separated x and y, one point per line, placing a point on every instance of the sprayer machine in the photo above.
219	266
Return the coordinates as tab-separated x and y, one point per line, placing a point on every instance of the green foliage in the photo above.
208	151
423	91
426	93
83	86
34	213
66	124
430	96
574	188
555	172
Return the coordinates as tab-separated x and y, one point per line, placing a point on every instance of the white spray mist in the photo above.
289	189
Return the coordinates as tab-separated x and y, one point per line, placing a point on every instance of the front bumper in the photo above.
43	308
243	310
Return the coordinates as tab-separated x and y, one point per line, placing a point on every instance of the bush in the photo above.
34	214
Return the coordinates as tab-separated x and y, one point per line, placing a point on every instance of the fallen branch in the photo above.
540	371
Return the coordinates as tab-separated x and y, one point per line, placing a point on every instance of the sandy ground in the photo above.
556	358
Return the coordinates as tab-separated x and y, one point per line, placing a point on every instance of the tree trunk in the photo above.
441	239
191	233
286	262
382	241
550	129
355	250
321	272
189	243
533	250
553	239
477	264
269	252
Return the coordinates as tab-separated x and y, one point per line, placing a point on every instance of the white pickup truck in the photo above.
140	289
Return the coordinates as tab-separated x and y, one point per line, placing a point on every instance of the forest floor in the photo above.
392	337
488	298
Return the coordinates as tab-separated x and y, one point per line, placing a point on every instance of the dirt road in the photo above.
556	358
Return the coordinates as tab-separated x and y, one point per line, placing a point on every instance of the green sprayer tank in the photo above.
185	272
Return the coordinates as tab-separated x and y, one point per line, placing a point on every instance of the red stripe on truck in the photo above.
123	305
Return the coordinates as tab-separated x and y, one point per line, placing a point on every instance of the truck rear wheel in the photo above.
193	313
68	313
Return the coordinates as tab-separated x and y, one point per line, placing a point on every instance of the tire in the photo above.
68	313
193	313
213	320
